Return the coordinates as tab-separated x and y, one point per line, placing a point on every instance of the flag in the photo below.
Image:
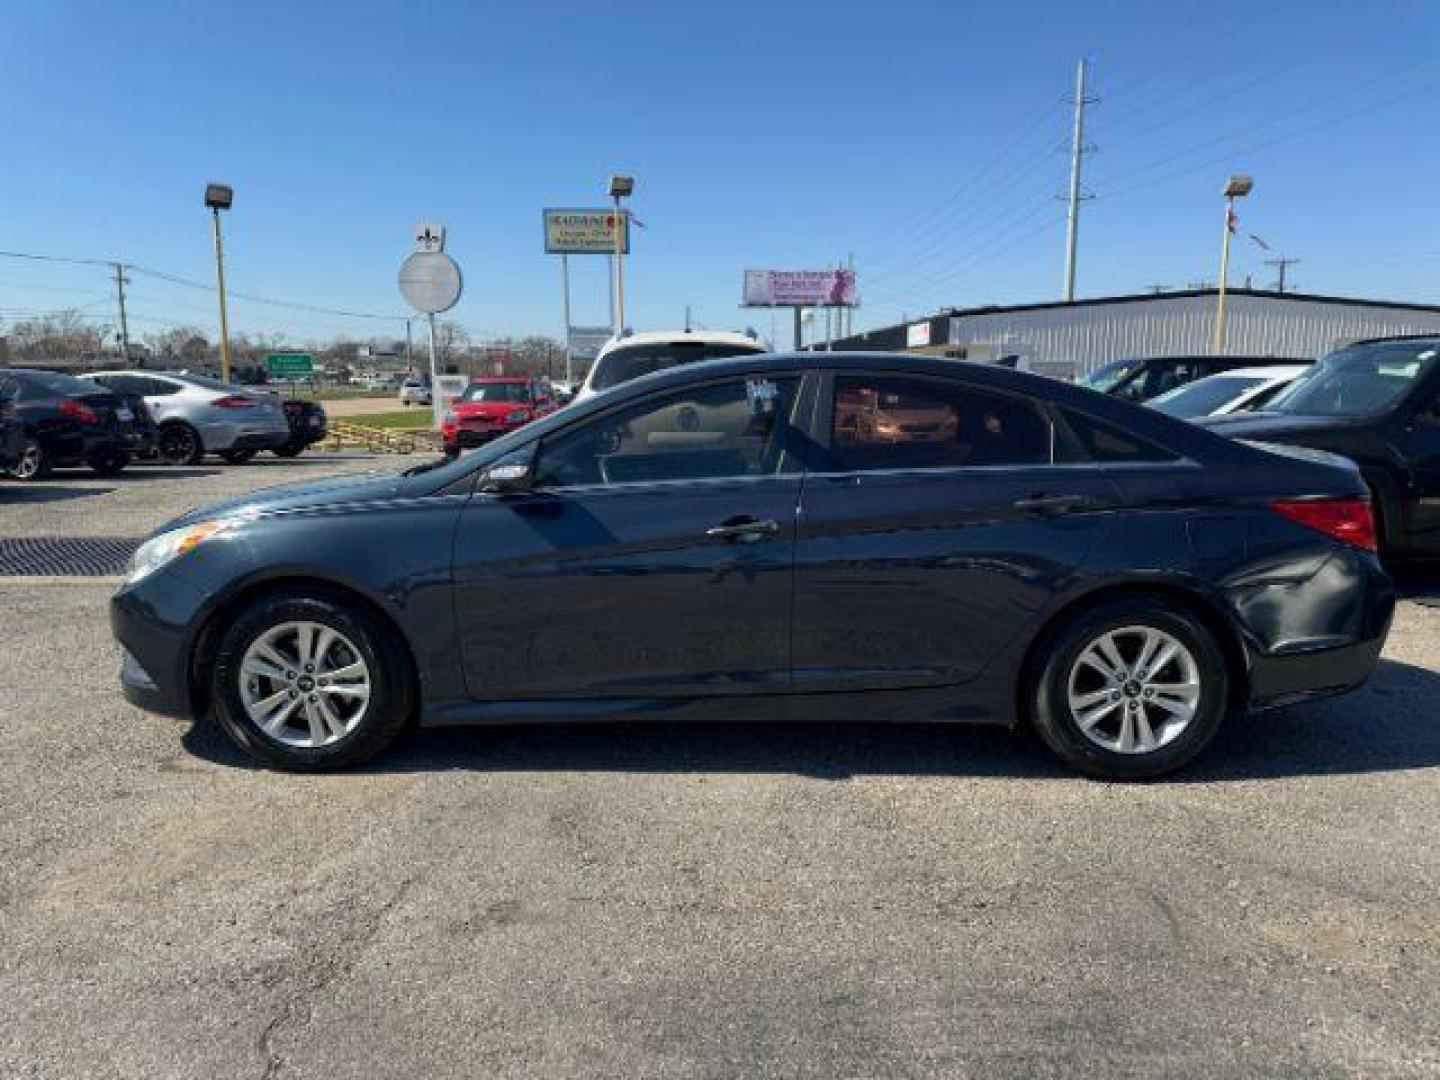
1231	218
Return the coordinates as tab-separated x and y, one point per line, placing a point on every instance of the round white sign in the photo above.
430	281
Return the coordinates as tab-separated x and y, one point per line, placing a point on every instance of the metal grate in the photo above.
75	556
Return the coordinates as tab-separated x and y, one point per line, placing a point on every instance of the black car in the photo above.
307	426
67	422
1376	402
1144	378
822	536
12	430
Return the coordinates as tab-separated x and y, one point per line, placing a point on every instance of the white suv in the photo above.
628	357
414	392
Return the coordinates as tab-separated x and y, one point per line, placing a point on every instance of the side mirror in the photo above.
512	473
506	477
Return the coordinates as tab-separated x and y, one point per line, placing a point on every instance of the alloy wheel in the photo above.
178	446
1134	689
31	461
304	684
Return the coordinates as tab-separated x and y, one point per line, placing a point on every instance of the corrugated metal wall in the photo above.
1089	335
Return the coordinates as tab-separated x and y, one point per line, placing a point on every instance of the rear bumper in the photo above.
1349	609
218	437
1284	680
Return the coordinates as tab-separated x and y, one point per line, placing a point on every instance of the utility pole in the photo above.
1078	150
1282	263
120	282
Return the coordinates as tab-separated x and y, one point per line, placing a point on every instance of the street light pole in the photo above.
621	186
1236	187
220	197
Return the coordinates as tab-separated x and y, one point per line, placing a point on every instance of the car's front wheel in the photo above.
1130	689
33	463
311	682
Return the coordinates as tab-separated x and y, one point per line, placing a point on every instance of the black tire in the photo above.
179	444
289	450
236	457
111	464
33	463
385	715
1049	684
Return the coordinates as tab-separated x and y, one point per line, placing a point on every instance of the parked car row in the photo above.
106	420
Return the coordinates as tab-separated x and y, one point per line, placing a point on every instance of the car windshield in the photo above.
1109	375
496	391
1362	380
1204	397
631	361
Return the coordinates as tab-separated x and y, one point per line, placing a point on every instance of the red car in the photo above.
492	406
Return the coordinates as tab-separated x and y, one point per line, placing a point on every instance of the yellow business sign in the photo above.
585	232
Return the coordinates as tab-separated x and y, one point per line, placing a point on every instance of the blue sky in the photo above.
925	138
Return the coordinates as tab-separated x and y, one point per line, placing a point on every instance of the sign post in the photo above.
430	282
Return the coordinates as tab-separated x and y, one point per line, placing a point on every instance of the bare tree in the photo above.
538	355
61	337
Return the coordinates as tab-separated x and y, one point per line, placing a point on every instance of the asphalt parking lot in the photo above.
629	900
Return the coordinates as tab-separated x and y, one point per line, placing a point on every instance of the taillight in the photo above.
234	401
78	410
1349	520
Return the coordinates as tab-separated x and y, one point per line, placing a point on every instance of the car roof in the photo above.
1278	371
692	337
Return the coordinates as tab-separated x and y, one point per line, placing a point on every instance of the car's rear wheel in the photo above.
111	463
236	457
33	463
179	444
1131	689
310	682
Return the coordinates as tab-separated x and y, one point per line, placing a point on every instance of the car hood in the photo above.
1263	425
307	495
485	408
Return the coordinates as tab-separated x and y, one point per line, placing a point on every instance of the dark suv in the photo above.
1147	377
1376	402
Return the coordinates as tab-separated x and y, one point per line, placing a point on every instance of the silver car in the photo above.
197	415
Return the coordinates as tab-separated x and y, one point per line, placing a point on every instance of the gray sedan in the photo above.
197	415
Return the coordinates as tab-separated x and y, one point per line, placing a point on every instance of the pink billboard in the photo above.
800	288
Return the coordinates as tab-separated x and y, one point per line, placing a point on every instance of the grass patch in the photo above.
400	420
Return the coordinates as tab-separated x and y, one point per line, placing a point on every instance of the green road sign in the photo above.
290	363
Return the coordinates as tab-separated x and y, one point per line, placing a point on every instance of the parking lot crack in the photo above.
320	967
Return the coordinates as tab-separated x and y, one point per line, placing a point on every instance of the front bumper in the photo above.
152	622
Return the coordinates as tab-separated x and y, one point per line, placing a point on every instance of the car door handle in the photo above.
741	528
1054	504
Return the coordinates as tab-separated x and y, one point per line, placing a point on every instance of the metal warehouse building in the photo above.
1073	338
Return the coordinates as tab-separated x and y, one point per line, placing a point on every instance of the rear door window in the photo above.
904	422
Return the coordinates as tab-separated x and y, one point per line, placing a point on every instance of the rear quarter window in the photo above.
1084	438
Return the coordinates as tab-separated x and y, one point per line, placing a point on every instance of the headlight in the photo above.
518	416
156	552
